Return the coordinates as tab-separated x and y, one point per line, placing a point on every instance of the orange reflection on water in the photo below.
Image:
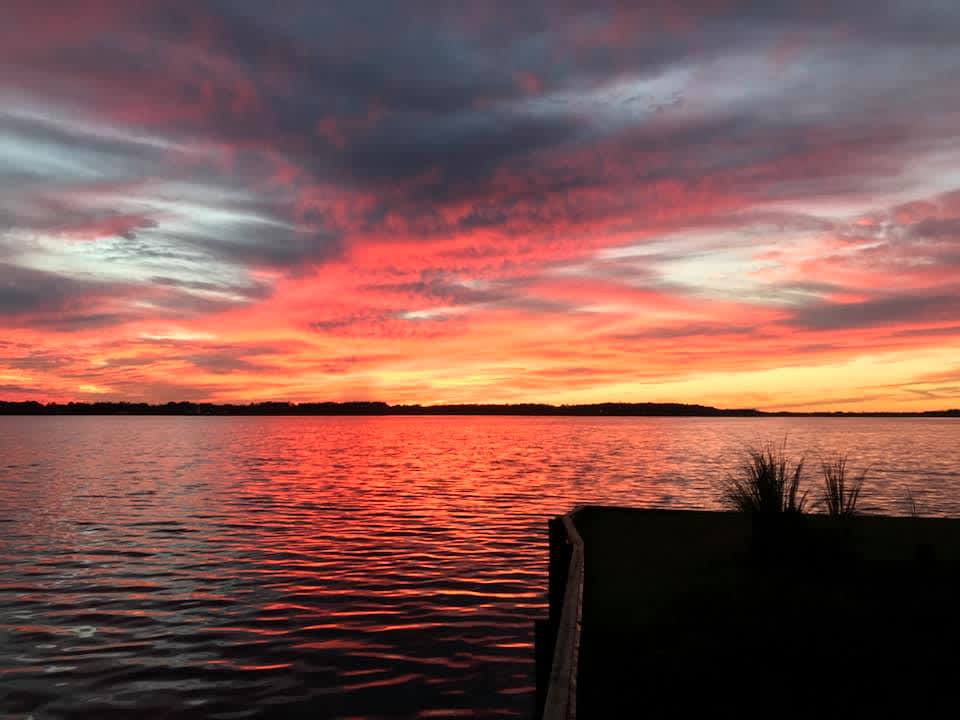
365	566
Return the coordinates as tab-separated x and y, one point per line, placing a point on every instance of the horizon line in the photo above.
379	407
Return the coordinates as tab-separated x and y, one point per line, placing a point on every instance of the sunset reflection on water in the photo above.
362	567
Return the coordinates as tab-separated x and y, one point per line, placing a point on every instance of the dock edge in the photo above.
561	698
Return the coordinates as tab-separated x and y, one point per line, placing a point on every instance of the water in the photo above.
342	567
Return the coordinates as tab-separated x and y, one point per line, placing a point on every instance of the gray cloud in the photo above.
525	118
879	312
23	290
938	229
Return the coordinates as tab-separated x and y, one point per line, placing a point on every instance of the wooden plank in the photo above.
561	703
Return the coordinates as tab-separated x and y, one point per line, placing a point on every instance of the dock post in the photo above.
560	552
545	631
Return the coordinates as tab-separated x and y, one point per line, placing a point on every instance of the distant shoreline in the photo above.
383	409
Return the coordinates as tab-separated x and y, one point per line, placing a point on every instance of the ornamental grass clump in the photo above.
841	490
767	482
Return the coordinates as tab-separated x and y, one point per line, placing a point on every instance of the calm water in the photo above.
341	567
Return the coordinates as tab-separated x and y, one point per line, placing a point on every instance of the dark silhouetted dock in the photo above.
657	613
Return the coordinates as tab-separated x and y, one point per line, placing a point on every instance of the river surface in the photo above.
343	567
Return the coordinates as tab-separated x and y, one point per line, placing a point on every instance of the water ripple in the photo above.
341	567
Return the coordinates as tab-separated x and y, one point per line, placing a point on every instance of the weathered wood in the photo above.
561	700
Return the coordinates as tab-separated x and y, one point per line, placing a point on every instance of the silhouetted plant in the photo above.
767	482
840	492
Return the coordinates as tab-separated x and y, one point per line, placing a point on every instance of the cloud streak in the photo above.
519	201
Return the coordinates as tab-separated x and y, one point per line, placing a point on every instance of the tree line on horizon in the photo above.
32	407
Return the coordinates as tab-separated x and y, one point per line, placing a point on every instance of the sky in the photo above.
743	204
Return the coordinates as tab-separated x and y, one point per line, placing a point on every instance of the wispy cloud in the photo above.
550	201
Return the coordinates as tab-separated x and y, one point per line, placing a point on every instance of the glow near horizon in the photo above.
731	208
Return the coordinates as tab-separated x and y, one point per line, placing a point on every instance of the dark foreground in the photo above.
683	610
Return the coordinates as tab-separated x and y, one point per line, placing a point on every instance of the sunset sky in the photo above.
748	204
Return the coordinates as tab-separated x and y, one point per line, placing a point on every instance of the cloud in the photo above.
675	185
23	290
879	311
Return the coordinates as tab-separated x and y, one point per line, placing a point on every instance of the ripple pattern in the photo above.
341	567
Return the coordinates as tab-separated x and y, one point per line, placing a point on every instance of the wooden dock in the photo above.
656	612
